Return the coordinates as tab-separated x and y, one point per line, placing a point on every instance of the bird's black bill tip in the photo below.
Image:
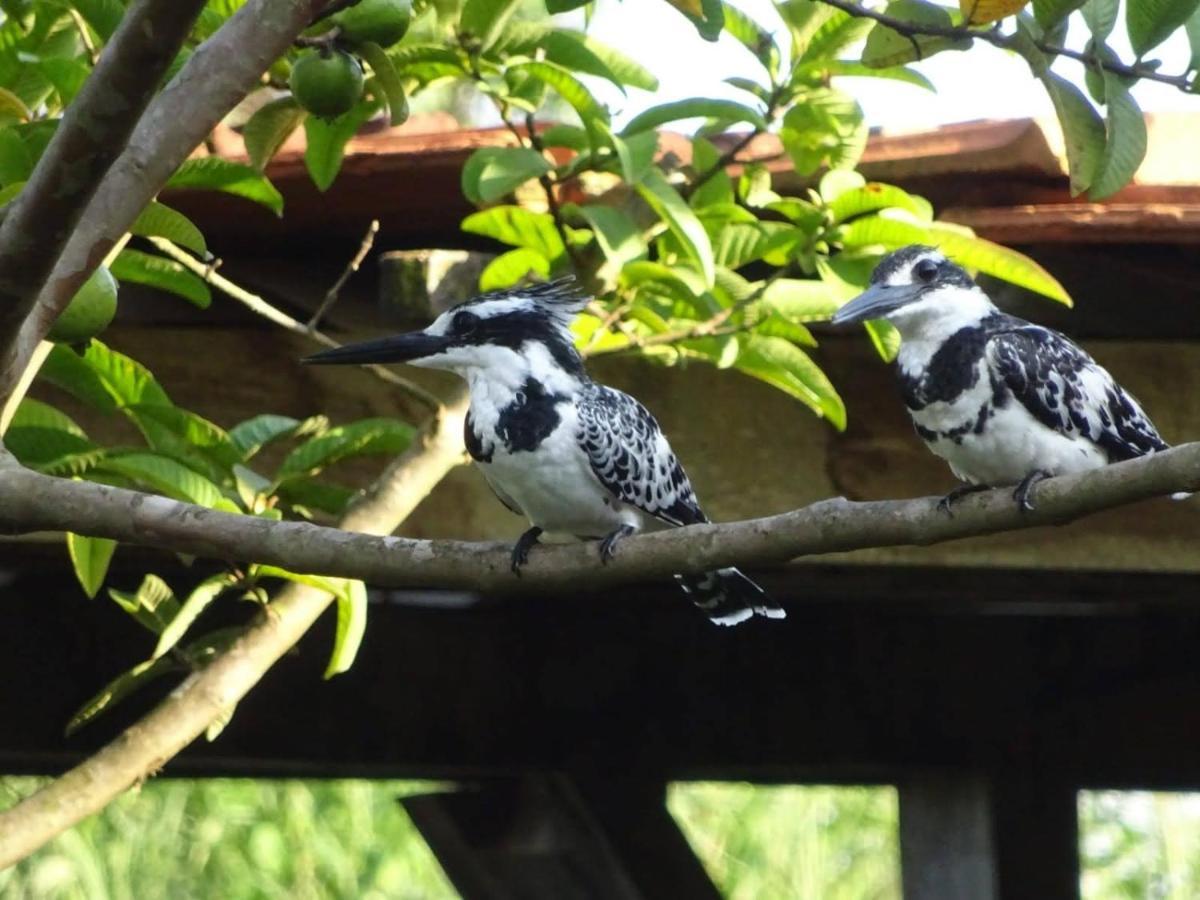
875	303
398	348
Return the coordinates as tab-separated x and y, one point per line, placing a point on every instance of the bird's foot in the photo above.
608	546
520	550
1024	491
945	504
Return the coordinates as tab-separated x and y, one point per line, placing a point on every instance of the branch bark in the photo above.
33	502
145	747
215	79
93	131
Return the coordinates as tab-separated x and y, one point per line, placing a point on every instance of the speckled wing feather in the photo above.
1065	389
631	457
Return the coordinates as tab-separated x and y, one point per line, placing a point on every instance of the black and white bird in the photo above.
1003	401
571	455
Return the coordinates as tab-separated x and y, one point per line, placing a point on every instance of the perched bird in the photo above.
569	454
1003	401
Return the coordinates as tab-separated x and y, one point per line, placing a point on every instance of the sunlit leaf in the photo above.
874	196
165	476
493	172
785	366
160	220
694	107
153	604
511	268
1150	22
519	228
1050	12
271	124
351	625
191	608
485	18
984	12
707	15
618	236
680	219
31	413
753	37
367	436
825	128
217	174
849	69
572	90
327	140
887	47
161	273
117	689
388	80
90	557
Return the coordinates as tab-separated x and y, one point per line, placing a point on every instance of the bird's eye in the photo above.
926	270
466	323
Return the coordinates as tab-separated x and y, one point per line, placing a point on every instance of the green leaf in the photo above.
693	108
356	439
494	172
168	477
311	493
253	434
217	174
1050	12
103	15
875	196
153	605
887	47
327	142
893	232
570	50
160	220
804	19
636	154
836	33
572	90
800	300
844	68
16	162
388	79
101	377
67	76
561	6
783	365
190	432
510	268
197	601
616	234
718	188
271	124
118	689
519	228
1125	143
1192	27
825	128
681	221
90	557
1083	131
351	625
707	15
625	70
485	18
32	413
1100	17
161	273
569	136
46	449
753	37
1150	22
737	244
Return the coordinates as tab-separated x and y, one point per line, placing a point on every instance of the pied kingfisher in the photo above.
1003	401
570	455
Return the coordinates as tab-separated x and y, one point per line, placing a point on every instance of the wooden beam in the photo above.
538	836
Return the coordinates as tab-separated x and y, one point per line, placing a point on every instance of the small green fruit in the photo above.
383	22
89	312
327	86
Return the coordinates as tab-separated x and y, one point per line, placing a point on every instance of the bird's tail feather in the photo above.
728	597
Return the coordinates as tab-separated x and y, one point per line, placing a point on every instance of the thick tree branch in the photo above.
215	78
1004	41
33	502
93	131
146	746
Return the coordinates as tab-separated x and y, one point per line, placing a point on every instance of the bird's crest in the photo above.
562	299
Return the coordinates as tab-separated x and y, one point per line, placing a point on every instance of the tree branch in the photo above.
912	30
33	502
260	306
146	746
93	131
215	78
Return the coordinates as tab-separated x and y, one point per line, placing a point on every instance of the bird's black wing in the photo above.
1065	389
631	457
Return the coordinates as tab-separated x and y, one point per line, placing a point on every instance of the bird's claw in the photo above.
944	505
608	546
1024	491
520	550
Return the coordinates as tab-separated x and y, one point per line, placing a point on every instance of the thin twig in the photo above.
331	295
996	38
256	304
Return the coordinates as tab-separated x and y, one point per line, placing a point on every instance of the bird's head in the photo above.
916	288
502	334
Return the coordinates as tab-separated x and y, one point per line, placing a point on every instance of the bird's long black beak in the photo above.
394	349
876	302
